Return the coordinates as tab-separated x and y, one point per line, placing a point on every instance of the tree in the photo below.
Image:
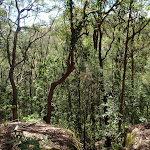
75	34
100	30
15	30
128	39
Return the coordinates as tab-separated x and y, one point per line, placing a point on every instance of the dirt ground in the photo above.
58	138
62	139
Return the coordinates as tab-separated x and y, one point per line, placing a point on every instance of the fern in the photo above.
130	139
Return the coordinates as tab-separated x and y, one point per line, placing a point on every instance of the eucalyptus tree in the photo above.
19	13
131	31
75	34
104	11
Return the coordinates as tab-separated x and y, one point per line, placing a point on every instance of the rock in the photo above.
142	139
56	137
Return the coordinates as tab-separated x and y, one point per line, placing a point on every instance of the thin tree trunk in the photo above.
69	105
108	140
132	69
123	85
79	124
125	65
11	77
85	118
1	74
132	61
132	77
30	83
148	110
101	75
12	66
15	93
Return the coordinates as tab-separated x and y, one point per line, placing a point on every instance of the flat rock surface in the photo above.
57	137
142	140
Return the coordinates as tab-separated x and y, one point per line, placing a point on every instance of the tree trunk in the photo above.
30	83
12	66
69	105
70	68
132	61
102	89
1	74
125	65
14	103
123	84
132	79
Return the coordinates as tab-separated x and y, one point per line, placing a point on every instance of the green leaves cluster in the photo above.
29	143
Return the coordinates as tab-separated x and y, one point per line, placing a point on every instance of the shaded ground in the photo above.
142	140
59	138
63	139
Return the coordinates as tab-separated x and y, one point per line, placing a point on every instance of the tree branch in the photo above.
111	9
139	30
31	42
109	46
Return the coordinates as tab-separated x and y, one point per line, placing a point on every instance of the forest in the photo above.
84	68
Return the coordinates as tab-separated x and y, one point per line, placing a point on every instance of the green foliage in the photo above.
32	118
78	102
26	143
130	139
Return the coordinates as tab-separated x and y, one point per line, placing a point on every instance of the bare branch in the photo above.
109	46
17	5
31	42
111	9
84	33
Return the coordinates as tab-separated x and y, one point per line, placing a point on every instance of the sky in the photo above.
148	14
54	13
45	16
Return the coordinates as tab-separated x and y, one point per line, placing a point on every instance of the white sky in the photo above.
148	15
53	13
42	16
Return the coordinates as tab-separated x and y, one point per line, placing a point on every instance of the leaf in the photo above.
44	138
12	141
130	139
148	8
